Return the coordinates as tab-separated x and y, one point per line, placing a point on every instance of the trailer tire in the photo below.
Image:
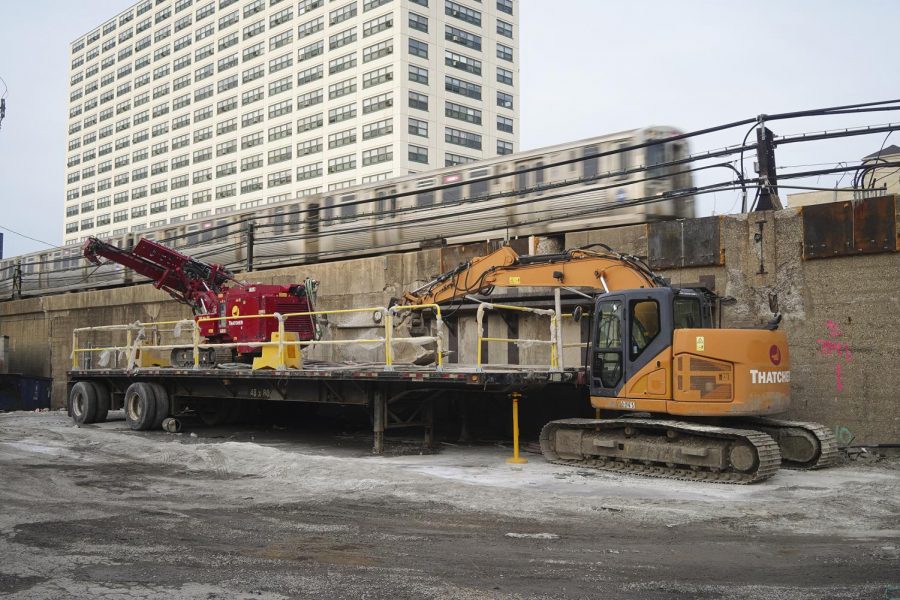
140	406
104	398
83	402
162	405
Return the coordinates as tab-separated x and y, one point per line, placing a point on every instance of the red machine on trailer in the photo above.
205	288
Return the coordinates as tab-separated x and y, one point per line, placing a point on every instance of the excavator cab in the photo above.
633	328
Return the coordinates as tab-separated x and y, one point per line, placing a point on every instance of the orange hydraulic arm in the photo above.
601	271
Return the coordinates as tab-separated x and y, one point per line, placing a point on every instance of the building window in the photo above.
279	155
251	185
462	138
463	13
341	64
341	88
418	101
378	129
504	52
309	171
309	99
377	103
375	156
342	14
342	39
311	74
378	25
341	138
378	50
279	178
280	132
505	29
463	113
342	163
417	48
504	100
418	127
504	76
280	63
310	51
373	78
458	36
309	147
309	123
464	88
252	118
504	124
504	147
310	27
418	22
280	108
251	162
342	113
418	154
418	74
462	62
253	51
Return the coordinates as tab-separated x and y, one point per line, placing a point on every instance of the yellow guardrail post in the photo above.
74	350
195	341
479	320
281	361
516	459
388	337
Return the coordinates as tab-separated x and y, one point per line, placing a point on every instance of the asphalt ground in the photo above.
103	512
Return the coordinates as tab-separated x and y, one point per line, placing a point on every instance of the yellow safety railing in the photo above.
552	342
135	343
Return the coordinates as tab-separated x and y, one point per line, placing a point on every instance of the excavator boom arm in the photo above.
603	271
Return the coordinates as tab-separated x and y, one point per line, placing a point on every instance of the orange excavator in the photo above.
690	400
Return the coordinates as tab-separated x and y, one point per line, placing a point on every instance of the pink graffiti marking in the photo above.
839	350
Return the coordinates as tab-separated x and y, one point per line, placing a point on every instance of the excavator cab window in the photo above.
688	313
644	325
607	363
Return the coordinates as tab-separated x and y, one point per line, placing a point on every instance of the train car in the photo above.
582	185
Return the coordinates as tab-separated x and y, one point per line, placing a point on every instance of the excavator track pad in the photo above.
803	446
662	448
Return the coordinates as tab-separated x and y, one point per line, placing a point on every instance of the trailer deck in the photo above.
401	396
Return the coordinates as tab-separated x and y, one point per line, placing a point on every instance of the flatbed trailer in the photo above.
372	386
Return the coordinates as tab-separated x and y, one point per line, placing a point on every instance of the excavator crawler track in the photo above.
823	453
663	449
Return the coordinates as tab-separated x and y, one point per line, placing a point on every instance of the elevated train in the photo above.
503	197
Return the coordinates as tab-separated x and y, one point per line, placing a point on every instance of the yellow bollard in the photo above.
516	459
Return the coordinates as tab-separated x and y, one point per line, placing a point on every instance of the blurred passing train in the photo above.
555	189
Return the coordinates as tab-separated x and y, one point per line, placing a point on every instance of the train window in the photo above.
452	194
521	176
656	155
294	217
278	221
348	209
621	159
426	199
208	232
387	203
479	189
539	178
590	166
327	203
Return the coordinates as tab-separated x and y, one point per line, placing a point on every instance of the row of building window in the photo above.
339	139
369	105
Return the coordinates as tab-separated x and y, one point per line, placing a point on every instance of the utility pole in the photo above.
765	155
251	226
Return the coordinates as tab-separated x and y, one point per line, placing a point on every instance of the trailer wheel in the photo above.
140	406
104	399
162	404
83	402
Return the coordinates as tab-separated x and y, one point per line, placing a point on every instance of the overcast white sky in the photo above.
588	67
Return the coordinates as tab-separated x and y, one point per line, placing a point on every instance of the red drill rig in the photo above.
204	287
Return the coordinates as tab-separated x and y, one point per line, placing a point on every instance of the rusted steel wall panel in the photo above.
689	243
844	228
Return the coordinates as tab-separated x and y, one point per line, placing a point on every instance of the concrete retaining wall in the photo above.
841	315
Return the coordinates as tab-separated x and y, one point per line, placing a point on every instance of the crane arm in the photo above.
190	281
601	271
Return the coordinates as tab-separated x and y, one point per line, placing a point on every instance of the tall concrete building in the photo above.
181	109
